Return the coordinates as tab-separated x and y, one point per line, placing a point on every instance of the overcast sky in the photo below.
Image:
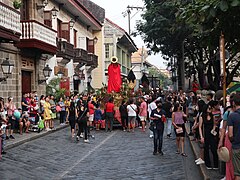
115	11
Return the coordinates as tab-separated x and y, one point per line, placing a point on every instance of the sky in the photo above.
115	10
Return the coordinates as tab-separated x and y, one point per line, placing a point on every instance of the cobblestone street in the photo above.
115	155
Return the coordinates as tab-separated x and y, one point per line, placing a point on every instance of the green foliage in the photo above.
194	27
17	4
164	80
53	87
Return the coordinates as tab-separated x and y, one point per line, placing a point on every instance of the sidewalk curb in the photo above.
202	167
41	134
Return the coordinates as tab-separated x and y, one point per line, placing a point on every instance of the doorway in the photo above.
26	82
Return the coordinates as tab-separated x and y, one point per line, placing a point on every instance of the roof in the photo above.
125	33
89	12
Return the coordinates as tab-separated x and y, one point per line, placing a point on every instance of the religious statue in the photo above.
114	76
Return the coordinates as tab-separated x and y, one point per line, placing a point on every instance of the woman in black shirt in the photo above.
72	115
124	114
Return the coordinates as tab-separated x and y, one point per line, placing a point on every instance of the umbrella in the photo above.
234	88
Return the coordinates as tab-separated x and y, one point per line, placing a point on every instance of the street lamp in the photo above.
54	12
90	79
60	74
95	40
7	68
76	77
71	23
47	73
89	83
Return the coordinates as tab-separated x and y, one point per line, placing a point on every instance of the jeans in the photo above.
62	116
158	139
169	126
151	133
109	119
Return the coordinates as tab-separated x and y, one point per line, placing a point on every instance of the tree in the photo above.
54	88
164	81
209	19
194	27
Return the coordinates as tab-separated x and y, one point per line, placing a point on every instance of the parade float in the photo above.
119	88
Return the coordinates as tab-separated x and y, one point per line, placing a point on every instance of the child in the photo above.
2	138
217	116
97	116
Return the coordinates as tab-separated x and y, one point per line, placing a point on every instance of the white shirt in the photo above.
151	107
132	110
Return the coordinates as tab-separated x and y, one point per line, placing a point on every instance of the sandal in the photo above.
183	154
177	152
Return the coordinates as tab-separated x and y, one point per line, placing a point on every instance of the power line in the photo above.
128	13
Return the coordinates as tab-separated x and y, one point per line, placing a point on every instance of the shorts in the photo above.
131	119
236	161
90	118
143	118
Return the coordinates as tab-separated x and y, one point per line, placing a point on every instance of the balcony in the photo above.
10	28
65	51
81	56
92	60
36	35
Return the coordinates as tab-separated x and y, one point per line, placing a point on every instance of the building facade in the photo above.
117	42
61	33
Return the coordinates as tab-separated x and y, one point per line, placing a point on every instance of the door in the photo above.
26	82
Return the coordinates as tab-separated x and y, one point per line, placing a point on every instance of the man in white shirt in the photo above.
131	108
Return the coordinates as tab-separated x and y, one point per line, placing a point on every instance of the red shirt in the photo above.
109	107
91	108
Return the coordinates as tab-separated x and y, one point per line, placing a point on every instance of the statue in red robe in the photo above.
114	76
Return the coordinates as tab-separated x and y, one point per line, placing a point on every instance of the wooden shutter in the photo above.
48	18
90	46
75	38
65	31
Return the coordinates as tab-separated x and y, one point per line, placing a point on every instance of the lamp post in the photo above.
54	12
89	83
60	74
222	57
47	73
7	69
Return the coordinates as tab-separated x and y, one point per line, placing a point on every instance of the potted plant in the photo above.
17	4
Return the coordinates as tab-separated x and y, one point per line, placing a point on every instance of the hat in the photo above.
223	154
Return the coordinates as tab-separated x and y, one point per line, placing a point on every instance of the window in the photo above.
124	58
107	55
90	46
48	18
75	38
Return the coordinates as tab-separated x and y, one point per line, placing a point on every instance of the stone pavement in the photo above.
20	139
207	174
115	155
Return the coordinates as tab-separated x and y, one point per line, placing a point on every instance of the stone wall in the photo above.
12	85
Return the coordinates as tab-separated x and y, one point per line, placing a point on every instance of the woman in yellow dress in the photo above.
47	113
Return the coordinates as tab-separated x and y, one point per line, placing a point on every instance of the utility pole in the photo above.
223	58
129	9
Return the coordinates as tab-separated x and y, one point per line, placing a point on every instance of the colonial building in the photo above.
117	42
40	35
79	40
140	64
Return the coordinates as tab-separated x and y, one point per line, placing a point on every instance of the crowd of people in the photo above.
211	125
